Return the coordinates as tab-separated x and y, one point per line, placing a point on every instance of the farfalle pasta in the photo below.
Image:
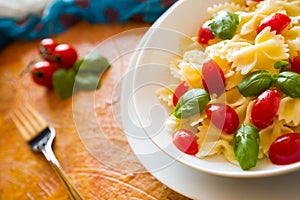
266	50
292	40
289	111
243	81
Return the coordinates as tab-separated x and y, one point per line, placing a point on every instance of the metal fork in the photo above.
40	135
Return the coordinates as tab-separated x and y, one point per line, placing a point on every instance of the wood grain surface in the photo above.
90	143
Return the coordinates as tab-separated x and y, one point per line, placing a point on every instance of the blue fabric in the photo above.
60	15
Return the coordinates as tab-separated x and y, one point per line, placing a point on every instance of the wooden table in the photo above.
97	171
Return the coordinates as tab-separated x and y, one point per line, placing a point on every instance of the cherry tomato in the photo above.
277	22
295	64
213	79
179	91
285	149
185	141
223	117
65	56
205	34
265	108
46	48
42	73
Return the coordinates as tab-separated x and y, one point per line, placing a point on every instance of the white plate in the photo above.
151	72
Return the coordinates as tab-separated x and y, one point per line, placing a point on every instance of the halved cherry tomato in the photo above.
285	149
213	79
65	56
295	64
46	48
179	91
205	34
277	22
223	117
265	108
42	73
185	141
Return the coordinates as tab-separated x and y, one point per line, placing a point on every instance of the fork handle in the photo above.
73	192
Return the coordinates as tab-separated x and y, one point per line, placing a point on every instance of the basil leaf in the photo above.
255	83
63	83
87	81
246	146
93	63
192	102
289	83
224	24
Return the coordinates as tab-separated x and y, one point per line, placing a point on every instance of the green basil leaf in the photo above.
63	83
246	146
224	24
289	83
192	102
255	83
87	81
92	63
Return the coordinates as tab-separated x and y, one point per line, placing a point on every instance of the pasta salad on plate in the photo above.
239	85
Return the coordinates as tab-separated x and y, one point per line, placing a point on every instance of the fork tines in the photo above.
28	121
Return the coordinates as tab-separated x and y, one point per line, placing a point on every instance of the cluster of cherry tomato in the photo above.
54	56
